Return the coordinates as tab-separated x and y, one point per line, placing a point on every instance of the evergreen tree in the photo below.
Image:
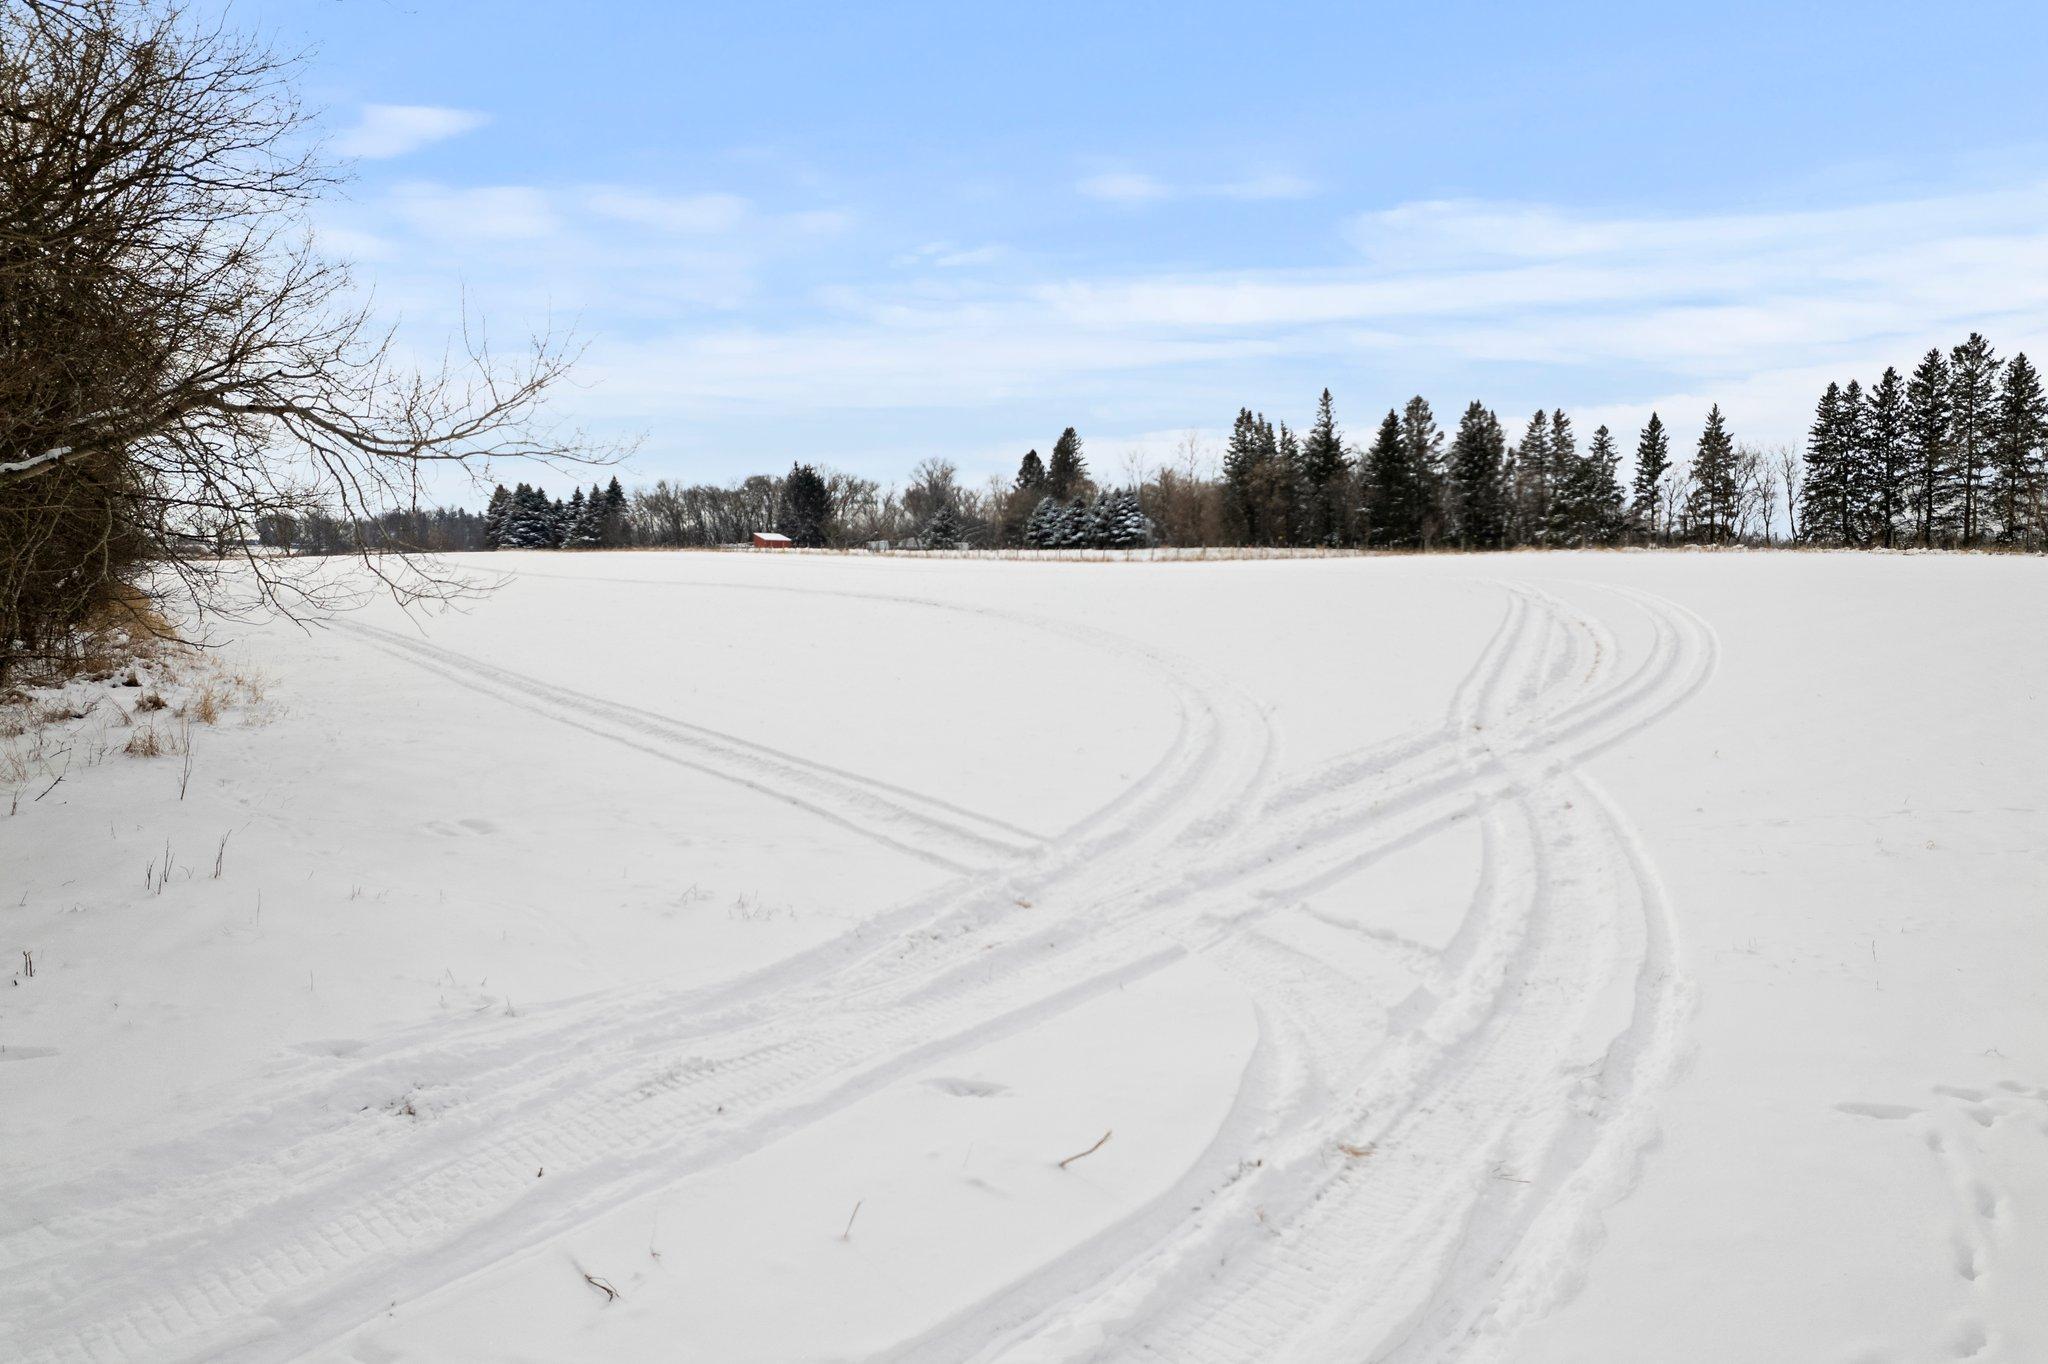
1125	525
1067	474
1474	493
806	506
1605	519
1653	461
943	530
1824	500
1044	530
1886	467
1283	489
1393	490
1857	516
1323	467
1249	477
1710	506
494	516
1561	479
1531	491
585	521
1030	473
529	520
615	528
1973	399
2017	452
1928	429
1422	450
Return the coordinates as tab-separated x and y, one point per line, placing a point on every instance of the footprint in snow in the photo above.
967	1089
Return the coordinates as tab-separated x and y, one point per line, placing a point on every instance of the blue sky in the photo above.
869	234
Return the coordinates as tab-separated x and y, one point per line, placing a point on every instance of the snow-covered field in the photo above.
1525	958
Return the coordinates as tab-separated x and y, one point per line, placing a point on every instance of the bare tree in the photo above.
177	361
1792	471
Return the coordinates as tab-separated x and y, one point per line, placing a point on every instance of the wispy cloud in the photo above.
387	130
1132	187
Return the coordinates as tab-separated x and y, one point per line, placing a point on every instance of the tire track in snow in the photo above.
772	1073
1312	1221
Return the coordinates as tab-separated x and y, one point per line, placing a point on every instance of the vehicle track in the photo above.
754	1069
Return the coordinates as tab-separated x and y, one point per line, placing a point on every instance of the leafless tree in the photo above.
1792	472
177	360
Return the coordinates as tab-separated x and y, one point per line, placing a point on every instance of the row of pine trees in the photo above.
1954	454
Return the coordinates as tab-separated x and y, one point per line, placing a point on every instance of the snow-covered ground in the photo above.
684	956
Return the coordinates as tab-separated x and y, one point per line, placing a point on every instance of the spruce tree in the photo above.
1392	494
1283	489
1710	506
1030	473
806	506
1823	499
1653	461
2017	451
494	517
943	530
1323	467
1560	478
1042	531
1857	516
1928	428
1474	495
1067	472
1531	492
1973	398
1605	520
1422	450
1886	466
616	528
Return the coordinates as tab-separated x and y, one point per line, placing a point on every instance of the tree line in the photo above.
1956	455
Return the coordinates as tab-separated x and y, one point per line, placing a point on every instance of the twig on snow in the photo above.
1089	1152
847	1235
611	1295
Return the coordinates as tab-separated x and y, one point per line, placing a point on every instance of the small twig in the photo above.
1089	1152
611	1295
1358	1152
52	786
848	1233
28	965
220	853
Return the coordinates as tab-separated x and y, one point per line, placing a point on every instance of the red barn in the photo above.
768	539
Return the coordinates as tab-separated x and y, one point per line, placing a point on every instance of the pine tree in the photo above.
1422	450
1125	524
585	520
1973	396
1531	491
943	530
616	530
1928	431
1067	474
1393	489
1857	516
1710	506
1824	498
1283	489
806	506
1043	530
2017	451
494	517
1474	495
1030	473
529	520
1653	461
1605	519
1559	478
1886	470
1323	467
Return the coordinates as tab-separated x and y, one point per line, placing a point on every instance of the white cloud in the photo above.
1131	187
1124	187
387	130
680	213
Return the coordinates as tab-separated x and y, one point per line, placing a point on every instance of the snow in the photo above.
1527	957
